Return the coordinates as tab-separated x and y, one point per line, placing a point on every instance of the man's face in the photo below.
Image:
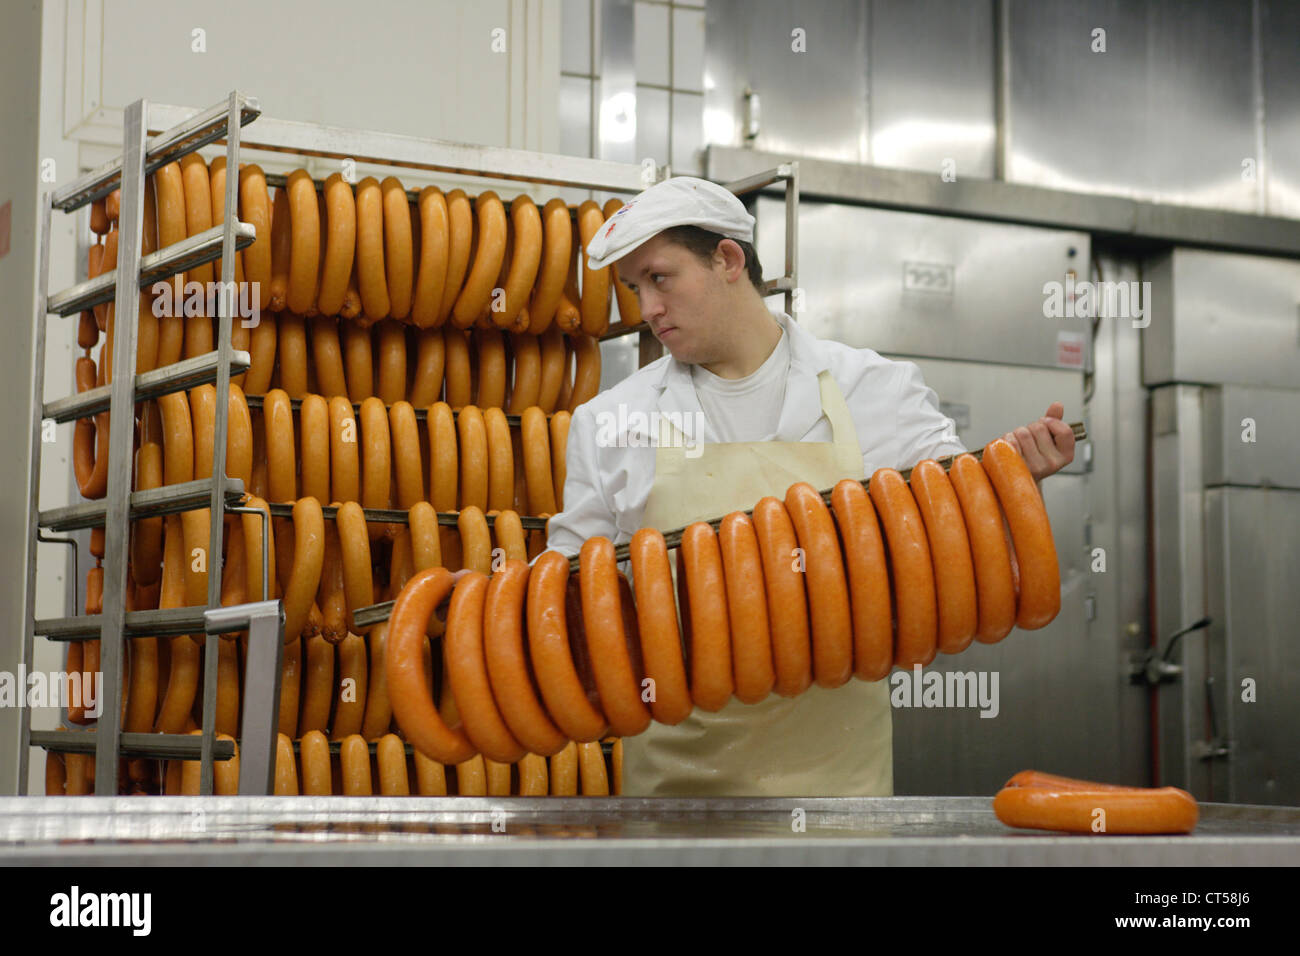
682	299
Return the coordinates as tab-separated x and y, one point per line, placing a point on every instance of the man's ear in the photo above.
731	257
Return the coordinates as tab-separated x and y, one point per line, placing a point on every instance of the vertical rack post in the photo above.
217	501
121	443
34	483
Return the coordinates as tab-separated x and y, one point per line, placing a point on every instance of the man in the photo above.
744	404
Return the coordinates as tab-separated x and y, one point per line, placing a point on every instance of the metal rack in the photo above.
178	130
140	157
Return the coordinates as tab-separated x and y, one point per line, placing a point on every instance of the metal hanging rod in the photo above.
182	376
396	516
421	414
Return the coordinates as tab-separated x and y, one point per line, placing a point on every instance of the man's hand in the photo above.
1047	445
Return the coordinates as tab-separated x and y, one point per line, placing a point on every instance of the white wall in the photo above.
424	68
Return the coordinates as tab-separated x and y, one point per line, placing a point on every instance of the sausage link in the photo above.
706	628
787	600
308	553
277	415
616	680
828	592
318	685
868	574
586	379
379	705
629	309
996	596
291	348
559	449
412	702
253	546
1050	781
537	462
553	363
509	534
406	448
476	540
526	258
459	386
354	759
227	716
261	352
472	434
548	642
751	639
354	545
376	460
314	419
317	775
488	256
501	464
217	187
370	249
954	576
564	771
146	534
1031	534
434	249
429	364
198	208
390	346
327	356
915	606
594	306
460	231
591	767
357	361
351	690
399	259
526	386
656	609
255	209
444	461
1127	811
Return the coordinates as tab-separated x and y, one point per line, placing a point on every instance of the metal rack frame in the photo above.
179	130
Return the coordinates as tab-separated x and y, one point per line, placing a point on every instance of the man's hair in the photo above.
702	243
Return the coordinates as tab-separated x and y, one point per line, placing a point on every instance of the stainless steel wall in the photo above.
1191	101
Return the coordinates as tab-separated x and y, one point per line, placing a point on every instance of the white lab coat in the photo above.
610	462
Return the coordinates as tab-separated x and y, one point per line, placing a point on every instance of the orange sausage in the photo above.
357	361
327	356
564	771
198	208
345	480
253	545
56	776
354	758
169	192
90	455
553	269
370	249
87	338
318	685
227	717
261	354
507	665
1128	811
434	249
548	641
340	244
491	356
314	751
304	247
292	350
286	769
429	363
460	231
456	350
954	576
183	660
1050	781
354	544
255	209
476	541
559	449
467	671
705	624
616	680
379	706
509	534
501	463
390	346
308	554
391	756
409	692
444	461
864	554
656	609
553	361
281	249
430	777
527	375
314	418
488	256
828	592
996	598
99	215
586	379
376	461
278	418
398	249
787	601
406	450
472	434
591	766
751	640
217	185
1031	534
594	306
351	690
533	780
526	225
916	609
537	462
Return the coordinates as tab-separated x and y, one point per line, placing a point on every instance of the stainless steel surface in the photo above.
931	85
1252	543
1279	37
189	252
1178	577
924	285
392	149
814	99
788	281
1272	457
1166	112
156	746
121	449
181	376
1223	319
615	90
183	135
460	830
34	479
151	503
264	621
1148	223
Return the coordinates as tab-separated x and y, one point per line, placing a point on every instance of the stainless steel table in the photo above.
420	831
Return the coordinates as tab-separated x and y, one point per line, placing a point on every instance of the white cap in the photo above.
680	201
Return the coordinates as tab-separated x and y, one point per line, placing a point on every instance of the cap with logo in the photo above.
680	201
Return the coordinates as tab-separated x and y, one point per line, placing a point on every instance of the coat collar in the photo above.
802	407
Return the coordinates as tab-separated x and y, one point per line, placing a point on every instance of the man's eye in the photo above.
655	277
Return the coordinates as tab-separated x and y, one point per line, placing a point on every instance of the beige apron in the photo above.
821	743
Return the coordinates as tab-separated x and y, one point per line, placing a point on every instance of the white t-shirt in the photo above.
749	408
